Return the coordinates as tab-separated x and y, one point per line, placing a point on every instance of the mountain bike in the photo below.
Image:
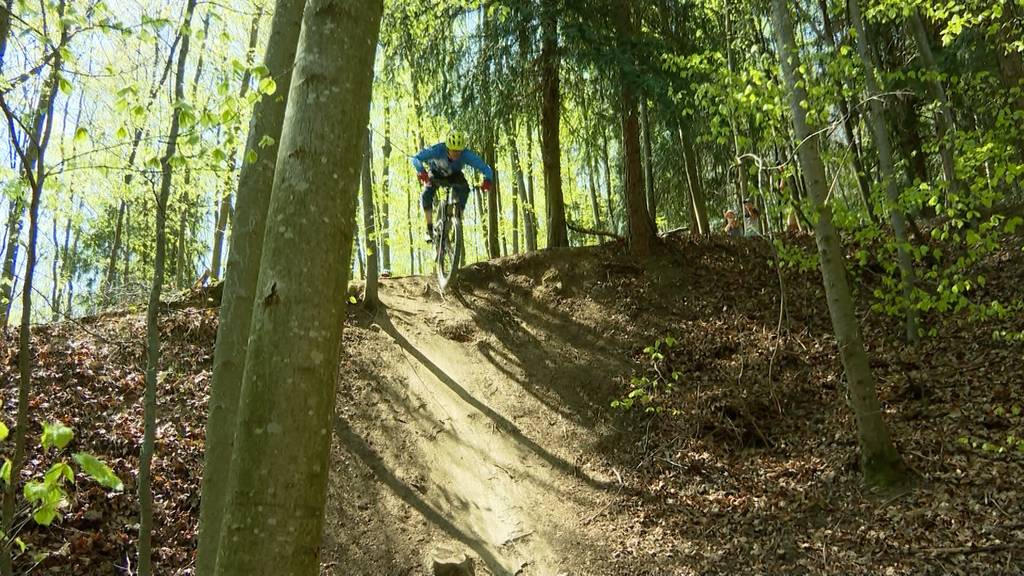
448	238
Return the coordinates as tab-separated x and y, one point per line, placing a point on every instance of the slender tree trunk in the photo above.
5	30
880	462
255	183
279	469
529	216
33	163
385	192
849	119
220	228
551	150
944	120
370	300
648	154
605	159
698	201
152	328
592	187
885	161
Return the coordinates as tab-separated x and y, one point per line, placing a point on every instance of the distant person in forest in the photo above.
441	165
732	225
751	218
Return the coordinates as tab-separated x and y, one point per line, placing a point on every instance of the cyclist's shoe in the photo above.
429	236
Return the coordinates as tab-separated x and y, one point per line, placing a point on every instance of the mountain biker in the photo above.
441	165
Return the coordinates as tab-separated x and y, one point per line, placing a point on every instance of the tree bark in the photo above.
551	151
152	328
849	120
220	228
385	189
648	154
881	464
33	162
370	300
944	120
883	143
642	235
255	184
605	159
697	199
280	465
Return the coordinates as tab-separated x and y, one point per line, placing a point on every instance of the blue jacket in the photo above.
436	159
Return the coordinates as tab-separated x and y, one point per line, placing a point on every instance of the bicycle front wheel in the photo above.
449	246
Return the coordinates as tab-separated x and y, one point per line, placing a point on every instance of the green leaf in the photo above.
36	491
268	86
58	471
56	434
4	432
64	84
99	471
20	544
122	133
45	515
352	299
81	135
5	471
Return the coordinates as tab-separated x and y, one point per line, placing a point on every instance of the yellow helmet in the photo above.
456	140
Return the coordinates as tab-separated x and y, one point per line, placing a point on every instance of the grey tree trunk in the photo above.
255	183
551	150
881	464
279	469
370	300
883	143
152	328
33	162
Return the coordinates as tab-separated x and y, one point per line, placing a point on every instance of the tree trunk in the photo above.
385	192
33	163
152	328
551	151
698	201
279	469
885	161
880	462
592	187
608	180
849	119
642	234
529	216
370	300
493	209
255	183
944	120
648	154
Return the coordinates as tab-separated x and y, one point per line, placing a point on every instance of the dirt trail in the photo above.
470	427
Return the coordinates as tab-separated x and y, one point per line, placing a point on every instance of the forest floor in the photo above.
481	422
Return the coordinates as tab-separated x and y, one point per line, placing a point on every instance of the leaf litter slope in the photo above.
482	422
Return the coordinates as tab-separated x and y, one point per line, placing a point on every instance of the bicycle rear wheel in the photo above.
449	244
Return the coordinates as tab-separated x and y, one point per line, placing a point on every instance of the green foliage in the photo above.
656	380
47	494
794	256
